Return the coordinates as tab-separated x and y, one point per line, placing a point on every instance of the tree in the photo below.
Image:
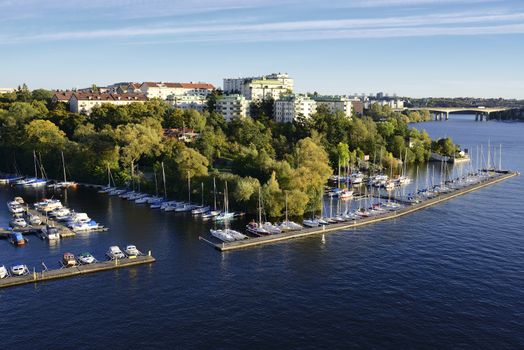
44	136
41	95
189	161
272	197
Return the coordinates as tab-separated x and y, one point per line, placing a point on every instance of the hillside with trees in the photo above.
293	160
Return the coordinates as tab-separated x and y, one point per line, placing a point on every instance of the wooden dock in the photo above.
35	277
251	242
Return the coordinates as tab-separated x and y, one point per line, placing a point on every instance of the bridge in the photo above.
442	113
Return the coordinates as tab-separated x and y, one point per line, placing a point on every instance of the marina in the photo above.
323	229
32	276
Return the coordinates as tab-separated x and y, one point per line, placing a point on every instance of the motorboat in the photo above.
15	208
86	259
60	212
114	252
78	218
389	186
200	210
18	223
222	235
19	270
51	233
311	223
68	260
17	238
48	205
345	194
257	229
86	226
132	251
19	200
271	228
356	179
3	272
34	219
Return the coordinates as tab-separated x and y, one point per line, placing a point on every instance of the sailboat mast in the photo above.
34	158
164	180
202	194
500	156
156	183
259	207
286	207
189	187
63	165
214	194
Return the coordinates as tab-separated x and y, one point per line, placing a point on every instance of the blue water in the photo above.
451	276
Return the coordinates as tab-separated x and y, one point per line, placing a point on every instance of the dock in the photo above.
35	277
257	241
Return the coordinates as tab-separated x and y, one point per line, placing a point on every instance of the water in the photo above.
448	276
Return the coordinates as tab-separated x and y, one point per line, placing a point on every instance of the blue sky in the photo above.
408	47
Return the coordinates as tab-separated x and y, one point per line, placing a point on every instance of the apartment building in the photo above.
233	106
290	107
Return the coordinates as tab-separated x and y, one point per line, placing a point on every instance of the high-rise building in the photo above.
232	106
270	86
290	107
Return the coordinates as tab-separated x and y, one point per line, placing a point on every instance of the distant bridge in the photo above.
442	113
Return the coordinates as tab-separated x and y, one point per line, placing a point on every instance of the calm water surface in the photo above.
451	276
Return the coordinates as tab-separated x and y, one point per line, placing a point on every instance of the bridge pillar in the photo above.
447	115
476	117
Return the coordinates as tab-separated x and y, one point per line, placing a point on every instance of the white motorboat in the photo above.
3	272
34	219
19	200
85	226
19	270
48	205
345	194
222	235
51	233
132	251
15	208
77	218
60	212
86	258
114	252
18	222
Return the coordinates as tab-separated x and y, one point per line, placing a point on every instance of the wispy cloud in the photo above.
462	23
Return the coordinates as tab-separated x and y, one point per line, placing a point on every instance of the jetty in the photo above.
498	176
47	275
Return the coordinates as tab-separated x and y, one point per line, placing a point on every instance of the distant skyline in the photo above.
417	48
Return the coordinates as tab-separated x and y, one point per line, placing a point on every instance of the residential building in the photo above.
335	104
84	102
184	135
270	86
232	106
61	96
163	90
393	103
187	102
288	108
7	90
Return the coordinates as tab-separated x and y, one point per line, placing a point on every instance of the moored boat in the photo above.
68	260
3	272
114	252
19	270
86	258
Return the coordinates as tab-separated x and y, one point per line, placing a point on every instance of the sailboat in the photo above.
201	209
159	202
256	227
108	188
34	181
65	183
225	215
186	206
288	225
211	214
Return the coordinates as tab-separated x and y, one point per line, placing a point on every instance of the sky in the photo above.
417	48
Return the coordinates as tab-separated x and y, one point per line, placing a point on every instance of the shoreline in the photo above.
258	241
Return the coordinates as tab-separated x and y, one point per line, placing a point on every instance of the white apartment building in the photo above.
163	90
84	102
187	102
260	88
232	106
395	104
6	90
335	104
288	108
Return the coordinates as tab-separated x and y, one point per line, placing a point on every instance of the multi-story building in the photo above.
61	96
288	108
232	106
84	102
270	86
163	90
393	103
335	104
6	90
187	102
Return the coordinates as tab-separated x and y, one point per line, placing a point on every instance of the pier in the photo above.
251	242
35	277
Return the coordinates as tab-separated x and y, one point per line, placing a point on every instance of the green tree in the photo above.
44	136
